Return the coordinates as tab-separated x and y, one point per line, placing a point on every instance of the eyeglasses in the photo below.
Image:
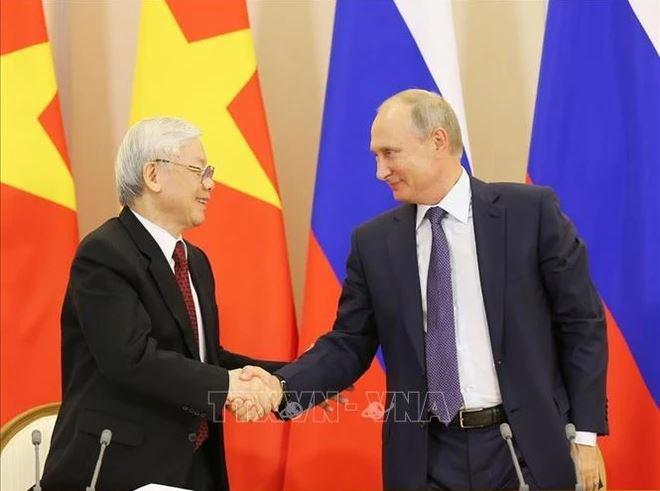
203	172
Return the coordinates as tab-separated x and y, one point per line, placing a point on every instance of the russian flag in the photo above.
596	141
378	48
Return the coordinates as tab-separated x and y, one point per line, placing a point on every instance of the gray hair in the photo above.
146	140
430	111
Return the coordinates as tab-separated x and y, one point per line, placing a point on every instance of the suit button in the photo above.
192	437
499	362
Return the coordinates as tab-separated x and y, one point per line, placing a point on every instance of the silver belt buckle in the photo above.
463	411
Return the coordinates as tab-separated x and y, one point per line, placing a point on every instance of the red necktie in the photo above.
182	279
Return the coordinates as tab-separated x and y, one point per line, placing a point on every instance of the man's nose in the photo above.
382	170
208	183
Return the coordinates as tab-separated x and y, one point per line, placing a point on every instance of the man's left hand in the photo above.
587	458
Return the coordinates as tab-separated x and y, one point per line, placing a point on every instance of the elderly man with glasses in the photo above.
140	350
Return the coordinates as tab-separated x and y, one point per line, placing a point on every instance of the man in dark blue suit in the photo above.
481	298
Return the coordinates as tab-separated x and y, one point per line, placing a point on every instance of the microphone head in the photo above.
36	437
106	436
570	432
505	431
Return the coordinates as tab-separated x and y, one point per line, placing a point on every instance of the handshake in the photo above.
254	393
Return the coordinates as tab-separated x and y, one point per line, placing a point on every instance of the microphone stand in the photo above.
36	441
106	437
570	436
505	431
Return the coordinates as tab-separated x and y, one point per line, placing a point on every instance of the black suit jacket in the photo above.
130	364
545	320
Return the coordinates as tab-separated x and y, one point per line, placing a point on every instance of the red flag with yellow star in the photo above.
196	61
38	212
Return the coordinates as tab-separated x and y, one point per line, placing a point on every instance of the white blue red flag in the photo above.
596	141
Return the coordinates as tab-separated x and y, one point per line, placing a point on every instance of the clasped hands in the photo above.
254	393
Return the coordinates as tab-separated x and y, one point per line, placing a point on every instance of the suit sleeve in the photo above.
341	356
577	316
118	333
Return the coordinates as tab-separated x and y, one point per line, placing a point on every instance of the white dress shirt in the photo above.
476	368
167	243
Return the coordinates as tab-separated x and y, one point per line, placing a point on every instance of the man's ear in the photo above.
151	177
441	139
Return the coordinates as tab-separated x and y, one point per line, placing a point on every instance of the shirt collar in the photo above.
456	203
165	240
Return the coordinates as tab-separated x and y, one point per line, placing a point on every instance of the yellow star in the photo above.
30	160
197	81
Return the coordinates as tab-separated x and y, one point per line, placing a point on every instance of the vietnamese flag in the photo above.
38	212
195	60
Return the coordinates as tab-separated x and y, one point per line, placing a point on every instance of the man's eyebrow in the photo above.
384	148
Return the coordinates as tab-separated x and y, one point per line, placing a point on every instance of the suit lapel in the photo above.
163	276
490	236
402	250
195	263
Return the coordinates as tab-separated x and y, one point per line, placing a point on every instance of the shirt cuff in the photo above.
585	438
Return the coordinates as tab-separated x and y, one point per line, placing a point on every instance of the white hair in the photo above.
146	140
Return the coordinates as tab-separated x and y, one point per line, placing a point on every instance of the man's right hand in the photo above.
253	393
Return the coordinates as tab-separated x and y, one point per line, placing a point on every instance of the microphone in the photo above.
36	441
570	436
106	436
505	431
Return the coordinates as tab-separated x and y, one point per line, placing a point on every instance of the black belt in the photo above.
479	418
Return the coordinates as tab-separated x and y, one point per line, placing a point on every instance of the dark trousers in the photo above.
471	459
200	477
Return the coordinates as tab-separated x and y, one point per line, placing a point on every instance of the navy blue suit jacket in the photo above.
545	319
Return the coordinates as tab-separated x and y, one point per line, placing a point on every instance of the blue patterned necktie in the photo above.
444	398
